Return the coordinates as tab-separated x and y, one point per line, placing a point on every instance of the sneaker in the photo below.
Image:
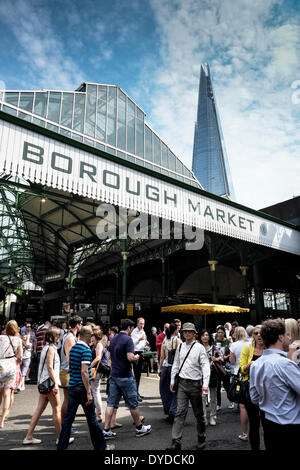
31	441
243	437
201	445
212	421
110	447
174	446
73	430
70	440
219	407
109	434
231	405
145	429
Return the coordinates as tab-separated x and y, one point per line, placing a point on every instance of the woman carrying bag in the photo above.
11	354
97	353
249	354
210	400
168	349
48	377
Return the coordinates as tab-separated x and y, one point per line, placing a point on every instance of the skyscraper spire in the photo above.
210	164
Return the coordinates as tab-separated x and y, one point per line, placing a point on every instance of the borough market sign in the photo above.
48	161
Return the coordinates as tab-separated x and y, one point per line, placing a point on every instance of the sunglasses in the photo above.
257	333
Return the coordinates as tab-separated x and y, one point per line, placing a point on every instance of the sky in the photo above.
153	50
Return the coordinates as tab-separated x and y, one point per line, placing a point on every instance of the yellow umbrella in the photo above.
203	309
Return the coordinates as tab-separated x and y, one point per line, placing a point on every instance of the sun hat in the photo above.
189	327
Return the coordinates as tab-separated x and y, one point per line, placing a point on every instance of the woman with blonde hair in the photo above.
240	340
249	354
49	367
11	354
97	353
293	330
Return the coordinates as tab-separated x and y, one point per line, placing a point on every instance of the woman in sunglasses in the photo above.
249	354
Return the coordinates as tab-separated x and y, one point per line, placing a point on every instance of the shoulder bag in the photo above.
238	390
176	380
221	371
47	386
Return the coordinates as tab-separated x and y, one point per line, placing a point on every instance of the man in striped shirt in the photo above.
80	393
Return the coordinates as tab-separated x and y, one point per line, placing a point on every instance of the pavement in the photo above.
224	436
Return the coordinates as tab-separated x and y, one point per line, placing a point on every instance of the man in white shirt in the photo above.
139	339
192	363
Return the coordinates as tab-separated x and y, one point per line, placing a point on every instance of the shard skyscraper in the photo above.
210	164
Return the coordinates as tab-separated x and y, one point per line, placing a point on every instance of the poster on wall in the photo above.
86	308
102	309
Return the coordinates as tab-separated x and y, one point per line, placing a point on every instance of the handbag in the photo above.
47	386
94	371
176	378
105	369
220	369
213	380
238	390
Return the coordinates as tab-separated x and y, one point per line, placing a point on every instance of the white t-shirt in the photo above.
236	349
43	373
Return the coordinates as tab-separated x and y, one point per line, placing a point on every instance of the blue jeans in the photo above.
77	396
122	386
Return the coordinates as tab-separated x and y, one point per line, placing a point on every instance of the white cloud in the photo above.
43	54
253	63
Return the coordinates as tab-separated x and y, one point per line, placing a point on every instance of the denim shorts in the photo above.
125	387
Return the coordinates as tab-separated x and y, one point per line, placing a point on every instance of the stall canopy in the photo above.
203	309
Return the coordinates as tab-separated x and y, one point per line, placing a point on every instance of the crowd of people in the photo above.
193	367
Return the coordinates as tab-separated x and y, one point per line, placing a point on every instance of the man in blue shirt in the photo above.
80	393
275	388
122	382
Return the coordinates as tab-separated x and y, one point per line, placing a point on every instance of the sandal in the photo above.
116	426
243	437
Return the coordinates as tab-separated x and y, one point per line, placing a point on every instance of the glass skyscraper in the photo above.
210	164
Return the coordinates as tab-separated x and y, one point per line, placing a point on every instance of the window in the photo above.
12	98
112	109
139	137
54	106
164	155
130	126
79	112
172	161
121	137
156	152
40	104
26	101
90	113
148	144
101	113
67	109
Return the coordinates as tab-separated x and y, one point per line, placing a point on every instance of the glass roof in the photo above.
102	116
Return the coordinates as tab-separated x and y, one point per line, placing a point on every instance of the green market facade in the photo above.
63	154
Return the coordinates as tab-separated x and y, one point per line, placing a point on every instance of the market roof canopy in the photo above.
203	309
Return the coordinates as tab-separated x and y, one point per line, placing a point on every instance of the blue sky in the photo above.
153	49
